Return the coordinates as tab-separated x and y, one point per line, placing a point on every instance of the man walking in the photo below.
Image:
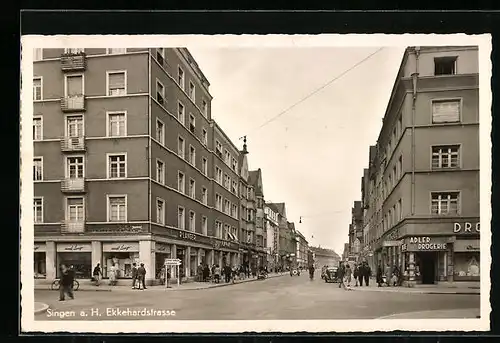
361	274
97	273
66	283
341	274
367	273
141	271
134	275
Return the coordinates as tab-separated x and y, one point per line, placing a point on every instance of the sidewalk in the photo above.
440	288
188	286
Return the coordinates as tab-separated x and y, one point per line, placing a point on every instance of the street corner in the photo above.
40	307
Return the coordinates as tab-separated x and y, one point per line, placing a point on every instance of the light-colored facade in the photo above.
302	249
255	179
421	200
272	228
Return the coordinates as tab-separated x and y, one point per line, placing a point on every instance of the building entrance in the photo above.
428	261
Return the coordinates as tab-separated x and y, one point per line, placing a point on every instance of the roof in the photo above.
280	206
255	179
272	207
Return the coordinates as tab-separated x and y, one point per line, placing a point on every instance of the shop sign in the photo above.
173	262
217	244
466	228
425	244
392	243
469	245
187	235
120	247
392	235
39	247
74	247
117	229
162	248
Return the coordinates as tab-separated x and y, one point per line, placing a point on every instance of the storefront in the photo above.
162	252
181	255
122	255
466	260
430	256
78	255
193	262
39	261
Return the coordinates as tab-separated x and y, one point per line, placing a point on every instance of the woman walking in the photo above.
112	275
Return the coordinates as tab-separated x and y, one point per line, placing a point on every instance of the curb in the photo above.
223	284
43	309
415	292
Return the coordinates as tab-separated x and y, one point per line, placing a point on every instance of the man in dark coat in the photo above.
141	271
66	283
134	275
341	274
367	273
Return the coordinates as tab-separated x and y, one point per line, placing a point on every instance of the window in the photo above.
218	175
117	84
192	188
234	188
181	113
37	169
227	157
114	51
117	166
218	202
400	210
74	209
227	230
117	124
204	137
400	166
160	93
445	65
73	50
204	226
160	131
74	126
192	123
180	77
192	155
37	128
204	195
235	165
191	91
181	182
160	211
234	211
74	88
160	171
181	220
38	210
160	55
181	147
117	205
37	54
74	167
445	156
192	221
218	149
204	108
37	88
445	111
227	182
444	203
204	166
218	229
227	207
399	126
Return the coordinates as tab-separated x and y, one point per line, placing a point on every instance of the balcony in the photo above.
73	185
70	226
74	61
73	143
73	103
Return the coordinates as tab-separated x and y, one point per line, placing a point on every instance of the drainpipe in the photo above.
413	114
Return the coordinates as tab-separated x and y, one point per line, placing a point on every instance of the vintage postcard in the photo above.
275	183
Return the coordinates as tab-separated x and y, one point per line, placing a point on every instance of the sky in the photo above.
312	157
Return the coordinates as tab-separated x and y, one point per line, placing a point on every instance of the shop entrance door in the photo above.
181	256
428	267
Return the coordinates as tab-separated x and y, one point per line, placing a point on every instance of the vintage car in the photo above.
331	274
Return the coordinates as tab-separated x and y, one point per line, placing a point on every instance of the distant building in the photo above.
272	228
325	257
302	248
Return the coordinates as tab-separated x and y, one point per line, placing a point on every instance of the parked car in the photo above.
331	275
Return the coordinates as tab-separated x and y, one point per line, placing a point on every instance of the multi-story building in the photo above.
255	180
272	228
284	235
302	248
128	164
422	198
356	230
325	257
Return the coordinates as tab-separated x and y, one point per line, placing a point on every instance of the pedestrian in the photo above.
380	280
112	275
348	275
395	277
340	275
227	273
97	274
356	275
134	276
199	272
242	272
367	273
141	272
388	275
361	273
66	283
217	272
206	273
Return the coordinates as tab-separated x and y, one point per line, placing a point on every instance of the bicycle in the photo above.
55	285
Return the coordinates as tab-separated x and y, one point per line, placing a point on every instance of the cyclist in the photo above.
311	272
66	283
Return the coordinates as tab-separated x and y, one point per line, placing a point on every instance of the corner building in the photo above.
126	163
422	198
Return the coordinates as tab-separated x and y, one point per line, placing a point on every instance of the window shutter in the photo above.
116	81
75	85
445	111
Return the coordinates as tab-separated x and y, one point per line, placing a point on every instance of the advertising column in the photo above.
50	260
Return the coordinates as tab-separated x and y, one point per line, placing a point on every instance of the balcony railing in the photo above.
69	226
73	185
73	103
73	143
74	61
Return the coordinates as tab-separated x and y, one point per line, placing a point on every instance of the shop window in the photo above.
122	261
39	269
81	262
466	266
